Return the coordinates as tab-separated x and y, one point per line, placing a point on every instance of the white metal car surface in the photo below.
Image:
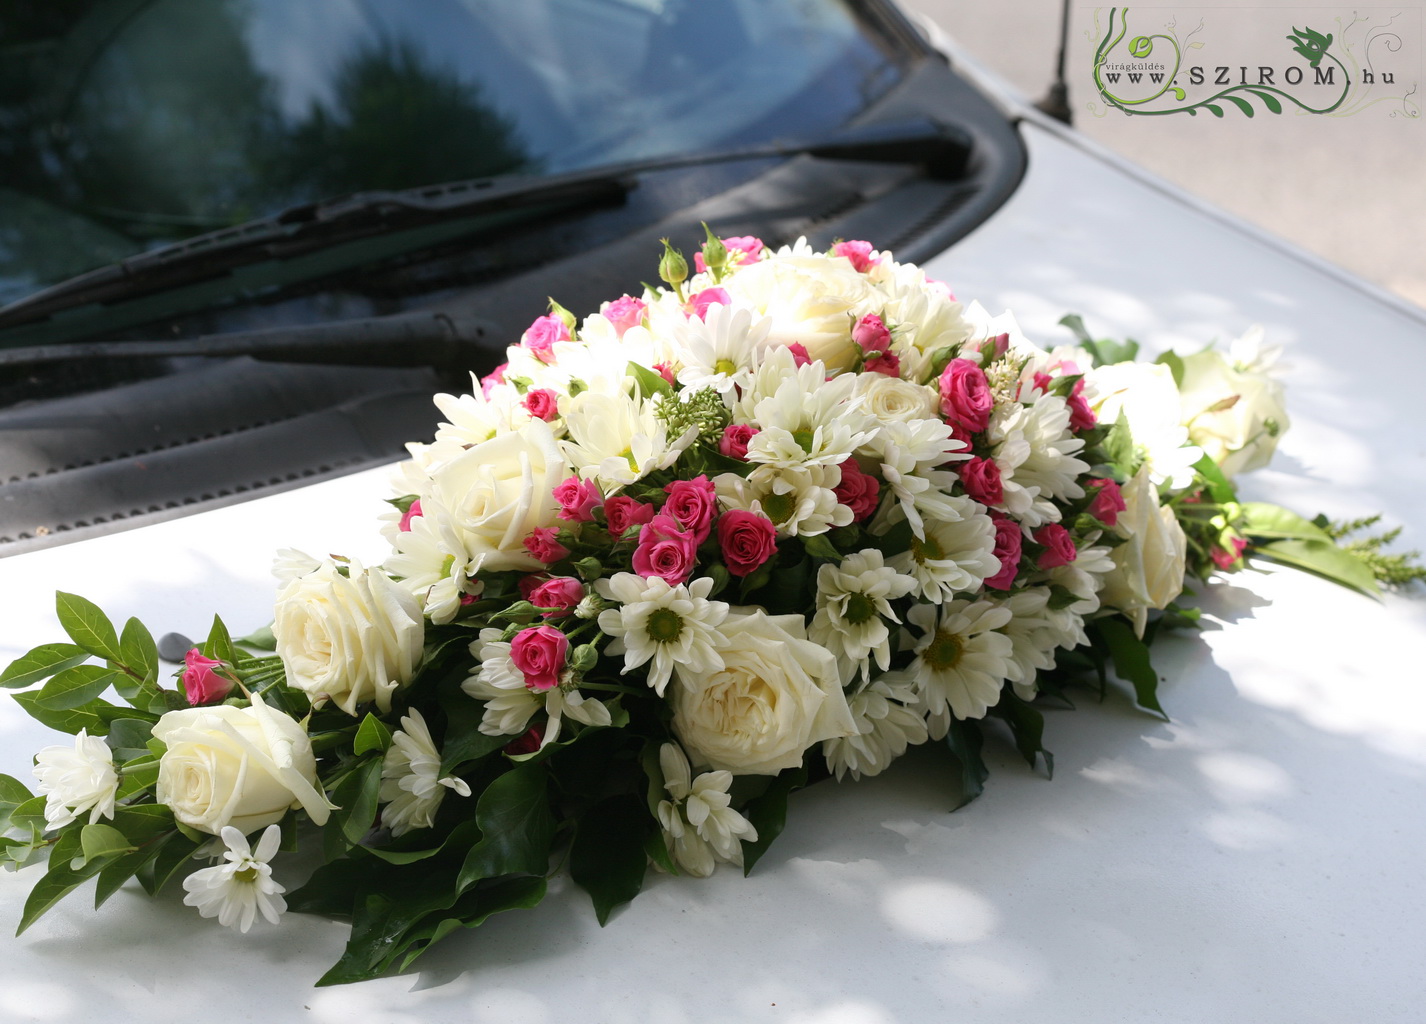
1256	858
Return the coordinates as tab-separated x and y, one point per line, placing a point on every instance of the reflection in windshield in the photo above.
127	124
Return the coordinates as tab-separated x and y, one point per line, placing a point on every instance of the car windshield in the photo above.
126	125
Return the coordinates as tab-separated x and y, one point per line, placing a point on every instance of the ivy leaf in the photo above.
41	663
1131	662
965	739
1027	725
607	859
87	626
768	814
516	827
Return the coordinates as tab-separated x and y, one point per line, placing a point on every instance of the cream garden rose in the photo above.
1149	565
351	639
776	695
244	767
1233	408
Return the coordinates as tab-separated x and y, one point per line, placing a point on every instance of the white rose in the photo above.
811	299
1148	566
1234	413
245	767
352	639
499	491
893	399
776	695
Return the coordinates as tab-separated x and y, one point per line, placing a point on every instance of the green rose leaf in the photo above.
41	663
87	626
74	687
1131	662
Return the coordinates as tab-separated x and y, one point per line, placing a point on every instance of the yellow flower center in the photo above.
944	651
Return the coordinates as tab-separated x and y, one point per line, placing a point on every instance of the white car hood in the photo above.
1256	858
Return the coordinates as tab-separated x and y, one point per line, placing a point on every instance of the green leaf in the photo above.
174	853
607	859
1321	558
137	650
87	626
119	871
41	663
464	742
70	721
650	382
220	644
516	827
1027	725
1241	104
262	639
1118	446
356	800
1075	323
1269	100
74	687
964	739
1220	488
1174	362
1261	519
768	814
474	909
820	546
98	840
1131	662
1216	111
372	734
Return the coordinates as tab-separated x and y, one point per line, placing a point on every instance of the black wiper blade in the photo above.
943	150
438	340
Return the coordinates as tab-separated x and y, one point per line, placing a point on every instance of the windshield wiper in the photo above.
944	151
444	342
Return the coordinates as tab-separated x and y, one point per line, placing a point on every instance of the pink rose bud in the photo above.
800	355
561	594
540	337
741	249
541	403
981	480
622	512
888	363
966	400
693	503
528	742
871	334
201	684
543	545
1081	415
1107	503
539	653
1225	559
411	513
1000	343
1058	545
698	304
1043	381
624	312
578	499
746	540
860	254
494	377
860	492
734	442
1007	549
666	550
666	372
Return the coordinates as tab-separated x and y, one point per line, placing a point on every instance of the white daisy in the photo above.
888	720
720	350
433	563
808	421
961	660
619	439
410	786
799	500
909	452
663	624
237	891
77	779
1050	465
853	606
1033	638
698	824
954	556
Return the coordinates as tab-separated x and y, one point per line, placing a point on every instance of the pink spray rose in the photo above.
527	742
966	400
494	377
871	335
578	499
541	403
541	336
860	492
698	304
981	479
1108	501
860	254
622	512
624	312
542	543
746	539
666	372
692	503
411	513
1226	559
734	442
1007	549
800	355
666	550
539	653
888	363
1058	545
1081	415
201	684
561	593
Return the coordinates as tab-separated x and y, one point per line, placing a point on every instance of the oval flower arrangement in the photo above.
773	522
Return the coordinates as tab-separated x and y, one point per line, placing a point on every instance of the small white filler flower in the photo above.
699	825
77	779
410	783
237	891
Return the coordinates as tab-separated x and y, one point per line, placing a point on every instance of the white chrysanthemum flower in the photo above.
853	606
961	660
808	421
1050	465
77	779
888	720
719	350
410	786
799	500
663	624
289	564
1020	500
619	439
1033	637
698	824
510	704
954	557
432	561
909	451
237	891
926	318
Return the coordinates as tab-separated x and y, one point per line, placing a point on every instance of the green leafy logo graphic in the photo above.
1312	45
